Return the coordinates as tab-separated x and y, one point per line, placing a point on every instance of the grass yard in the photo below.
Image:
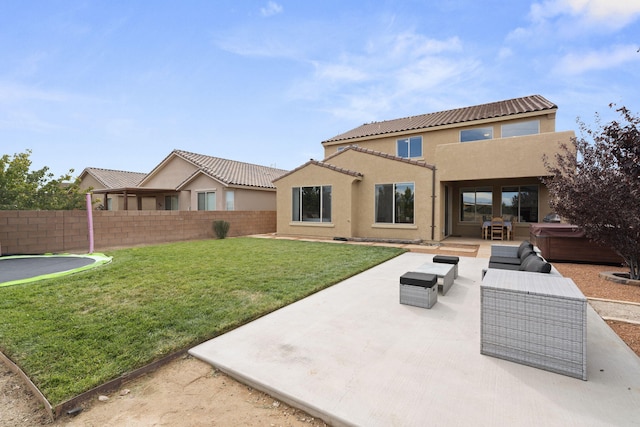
74	333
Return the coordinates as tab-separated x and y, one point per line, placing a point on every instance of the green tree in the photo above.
24	189
595	183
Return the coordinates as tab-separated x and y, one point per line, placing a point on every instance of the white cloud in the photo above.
578	63
271	9
613	14
393	72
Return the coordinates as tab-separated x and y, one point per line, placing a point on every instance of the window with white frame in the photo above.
394	203
409	147
530	127
170	203
230	199
207	201
520	202
476	204
476	134
311	204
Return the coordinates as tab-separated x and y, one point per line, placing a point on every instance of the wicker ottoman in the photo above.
419	289
446	259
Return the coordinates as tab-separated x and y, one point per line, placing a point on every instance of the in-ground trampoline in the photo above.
19	269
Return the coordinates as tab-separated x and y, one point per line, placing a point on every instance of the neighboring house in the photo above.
190	181
427	177
101	179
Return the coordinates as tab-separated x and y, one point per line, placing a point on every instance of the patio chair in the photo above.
497	229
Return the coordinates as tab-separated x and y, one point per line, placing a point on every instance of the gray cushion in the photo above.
535	264
512	261
413	278
523	246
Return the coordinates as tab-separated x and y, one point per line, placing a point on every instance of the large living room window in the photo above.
395	203
476	134
520	202
207	201
475	203
311	204
409	147
530	127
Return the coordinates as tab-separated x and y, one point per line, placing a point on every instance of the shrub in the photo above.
221	228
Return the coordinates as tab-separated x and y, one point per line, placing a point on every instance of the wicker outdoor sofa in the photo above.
537	318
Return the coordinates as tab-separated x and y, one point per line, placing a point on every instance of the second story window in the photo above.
476	134
530	127
409	147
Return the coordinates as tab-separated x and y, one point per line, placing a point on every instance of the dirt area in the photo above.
188	392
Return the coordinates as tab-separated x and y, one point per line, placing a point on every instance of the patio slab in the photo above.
352	355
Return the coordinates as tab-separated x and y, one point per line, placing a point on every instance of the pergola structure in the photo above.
139	192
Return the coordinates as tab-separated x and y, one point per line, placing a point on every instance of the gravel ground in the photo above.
587	278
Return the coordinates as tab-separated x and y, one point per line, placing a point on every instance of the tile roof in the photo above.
110	178
324	165
505	108
381	154
356	174
232	172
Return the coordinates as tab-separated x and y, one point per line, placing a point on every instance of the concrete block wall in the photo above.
36	232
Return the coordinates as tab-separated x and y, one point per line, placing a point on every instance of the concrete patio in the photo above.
352	355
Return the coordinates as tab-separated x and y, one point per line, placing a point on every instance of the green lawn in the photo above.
76	332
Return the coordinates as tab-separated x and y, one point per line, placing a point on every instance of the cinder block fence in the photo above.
36	232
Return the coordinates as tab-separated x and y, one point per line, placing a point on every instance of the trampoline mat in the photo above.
22	268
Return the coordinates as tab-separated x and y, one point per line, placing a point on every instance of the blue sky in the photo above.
119	84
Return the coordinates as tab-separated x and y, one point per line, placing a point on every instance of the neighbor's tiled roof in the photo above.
508	107
232	172
110	178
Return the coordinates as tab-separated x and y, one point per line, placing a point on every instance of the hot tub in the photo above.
566	242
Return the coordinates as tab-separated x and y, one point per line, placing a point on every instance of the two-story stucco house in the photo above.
426	177
187	181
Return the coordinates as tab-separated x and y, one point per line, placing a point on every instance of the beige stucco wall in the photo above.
341	203
498	158
448	134
254	200
353	200
170	174
245	199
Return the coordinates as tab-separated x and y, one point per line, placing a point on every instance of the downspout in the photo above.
433	204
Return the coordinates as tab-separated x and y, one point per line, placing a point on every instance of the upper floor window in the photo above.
344	147
311	204
476	134
395	203
530	127
409	147
207	201
476	204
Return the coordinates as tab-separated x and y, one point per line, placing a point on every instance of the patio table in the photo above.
445	273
